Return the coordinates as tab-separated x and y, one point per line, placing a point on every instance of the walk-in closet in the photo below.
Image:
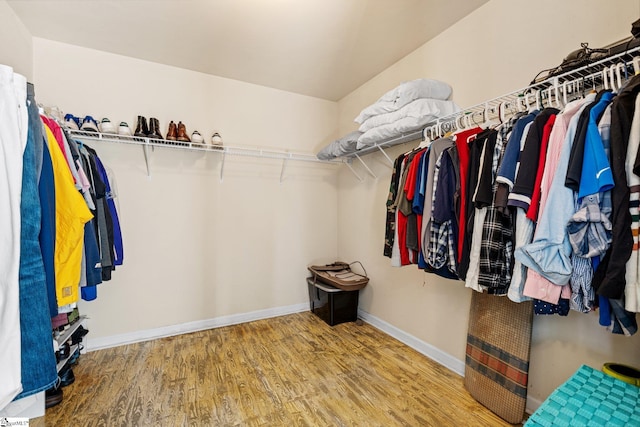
319	213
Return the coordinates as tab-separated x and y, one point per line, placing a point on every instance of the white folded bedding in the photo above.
403	94
340	147
429	109
391	130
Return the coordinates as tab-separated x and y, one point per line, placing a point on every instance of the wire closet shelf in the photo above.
609	73
224	150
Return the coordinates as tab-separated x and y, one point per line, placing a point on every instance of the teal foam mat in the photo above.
589	398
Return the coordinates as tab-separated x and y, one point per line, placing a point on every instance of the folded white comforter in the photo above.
403	94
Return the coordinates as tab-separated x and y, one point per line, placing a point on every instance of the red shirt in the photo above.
462	144
532	212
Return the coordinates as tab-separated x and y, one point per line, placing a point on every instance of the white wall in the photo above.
497	49
16	50
197	248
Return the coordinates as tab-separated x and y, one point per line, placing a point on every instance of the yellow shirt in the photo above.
71	215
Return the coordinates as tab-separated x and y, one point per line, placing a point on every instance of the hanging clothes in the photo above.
13	139
38	362
544	207
71	215
611	280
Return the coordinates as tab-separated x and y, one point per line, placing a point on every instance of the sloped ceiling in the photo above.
321	48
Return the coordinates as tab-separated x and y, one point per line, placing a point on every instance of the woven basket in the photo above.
497	355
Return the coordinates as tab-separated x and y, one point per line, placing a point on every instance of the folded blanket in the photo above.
429	109
340	147
391	130
404	94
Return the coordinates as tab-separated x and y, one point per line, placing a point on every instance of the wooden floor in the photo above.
288	371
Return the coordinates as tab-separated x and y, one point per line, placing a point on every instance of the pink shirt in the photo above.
537	286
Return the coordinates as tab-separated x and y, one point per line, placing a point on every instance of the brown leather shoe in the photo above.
172	133
182	133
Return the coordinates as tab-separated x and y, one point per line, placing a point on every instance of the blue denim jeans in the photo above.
37	356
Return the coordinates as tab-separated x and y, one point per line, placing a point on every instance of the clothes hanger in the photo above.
539	100
556	92
460	122
619	68
534	104
510	109
520	103
553	99
501	113
488	123
615	85
426	135
452	125
605	78
566	85
473	117
593	84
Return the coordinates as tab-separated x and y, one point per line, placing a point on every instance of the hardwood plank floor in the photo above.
288	371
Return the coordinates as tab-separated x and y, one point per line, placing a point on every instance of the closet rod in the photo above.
597	74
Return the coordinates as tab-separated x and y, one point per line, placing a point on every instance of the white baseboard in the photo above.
185	328
532	404
445	359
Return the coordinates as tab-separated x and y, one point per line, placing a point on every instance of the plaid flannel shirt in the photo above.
496	249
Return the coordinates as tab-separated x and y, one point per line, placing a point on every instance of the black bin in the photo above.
331	304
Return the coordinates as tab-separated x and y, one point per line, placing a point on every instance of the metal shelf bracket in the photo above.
147	157
353	171
365	166
284	163
385	155
224	156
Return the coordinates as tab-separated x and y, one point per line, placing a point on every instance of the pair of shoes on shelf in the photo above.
148	131
88	124
179	133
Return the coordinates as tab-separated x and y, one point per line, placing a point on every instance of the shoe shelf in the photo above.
66	334
72	350
223	150
64	337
